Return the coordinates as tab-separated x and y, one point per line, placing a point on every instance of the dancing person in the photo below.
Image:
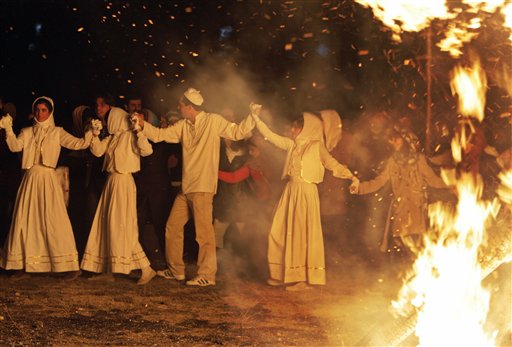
410	175
295	242
199	133
113	245
41	237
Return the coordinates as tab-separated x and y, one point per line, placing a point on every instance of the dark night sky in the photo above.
292	55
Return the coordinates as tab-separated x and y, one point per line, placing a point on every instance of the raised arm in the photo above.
171	134
99	147
14	143
70	142
279	141
143	145
233	131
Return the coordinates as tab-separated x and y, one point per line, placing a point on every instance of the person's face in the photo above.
134	105
185	110
41	112
396	142
101	107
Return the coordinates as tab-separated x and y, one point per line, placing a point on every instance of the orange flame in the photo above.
445	284
406	15
507	13
414	16
470	85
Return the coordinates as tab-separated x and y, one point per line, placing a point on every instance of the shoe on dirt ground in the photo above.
200	281
274	283
144	279
168	275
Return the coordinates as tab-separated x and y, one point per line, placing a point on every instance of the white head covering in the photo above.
312	129
117	121
48	122
122	147
332	128
41	128
194	96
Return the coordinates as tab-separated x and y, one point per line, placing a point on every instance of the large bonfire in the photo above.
443	299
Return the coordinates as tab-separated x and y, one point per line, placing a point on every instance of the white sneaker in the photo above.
168	275
200	282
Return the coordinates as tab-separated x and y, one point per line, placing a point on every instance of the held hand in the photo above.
6	122
96	127
354	187
134	120
137	121
255	109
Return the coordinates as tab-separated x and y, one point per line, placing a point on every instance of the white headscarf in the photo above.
41	128
312	130
117	121
123	147
332	128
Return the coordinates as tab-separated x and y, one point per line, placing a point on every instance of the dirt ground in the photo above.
240	310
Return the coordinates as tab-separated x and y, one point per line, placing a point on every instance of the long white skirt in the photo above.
113	244
295	242
40	238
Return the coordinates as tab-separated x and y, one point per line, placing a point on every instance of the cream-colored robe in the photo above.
296	248
41	238
113	244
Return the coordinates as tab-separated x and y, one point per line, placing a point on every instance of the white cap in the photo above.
194	96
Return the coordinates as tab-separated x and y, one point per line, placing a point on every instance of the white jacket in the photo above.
315	156
122	148
52	139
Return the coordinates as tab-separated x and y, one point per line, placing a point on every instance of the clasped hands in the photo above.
137	121
255	110
354	186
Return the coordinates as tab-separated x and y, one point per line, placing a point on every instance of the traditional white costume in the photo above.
113	244
41	238
296	247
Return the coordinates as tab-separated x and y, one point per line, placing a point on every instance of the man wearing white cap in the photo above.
199	133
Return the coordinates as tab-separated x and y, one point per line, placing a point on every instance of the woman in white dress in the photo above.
296	248
113	245
40	237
